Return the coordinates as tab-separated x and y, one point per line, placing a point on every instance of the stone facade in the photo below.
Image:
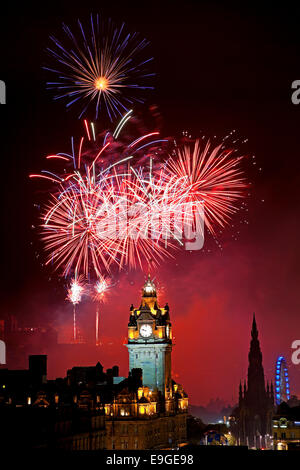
155	433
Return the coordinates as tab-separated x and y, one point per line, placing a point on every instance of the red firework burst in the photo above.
108	209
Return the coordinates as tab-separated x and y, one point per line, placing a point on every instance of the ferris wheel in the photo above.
282	386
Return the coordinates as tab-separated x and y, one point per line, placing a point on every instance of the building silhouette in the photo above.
252	419
93	409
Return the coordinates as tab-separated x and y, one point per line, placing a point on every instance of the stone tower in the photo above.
150	341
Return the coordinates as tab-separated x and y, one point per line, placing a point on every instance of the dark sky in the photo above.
219	67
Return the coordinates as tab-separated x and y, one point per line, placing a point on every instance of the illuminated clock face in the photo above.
145	331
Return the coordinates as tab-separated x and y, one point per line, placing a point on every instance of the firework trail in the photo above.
100	64
125	205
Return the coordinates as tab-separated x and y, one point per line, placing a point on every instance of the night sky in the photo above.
218	68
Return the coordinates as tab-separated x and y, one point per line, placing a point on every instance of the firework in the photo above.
101	287
145	237
100	64
95	189
97	327
209	175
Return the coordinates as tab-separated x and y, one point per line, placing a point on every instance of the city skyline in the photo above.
112	348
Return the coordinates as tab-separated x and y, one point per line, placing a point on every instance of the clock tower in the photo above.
150	341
